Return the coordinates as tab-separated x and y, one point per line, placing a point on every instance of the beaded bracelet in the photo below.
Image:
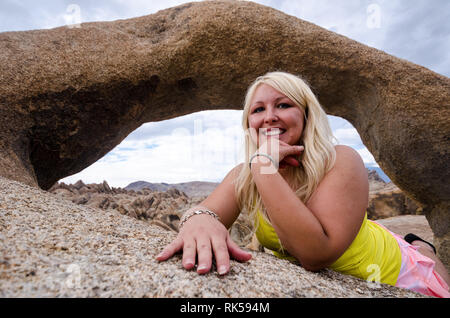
197	212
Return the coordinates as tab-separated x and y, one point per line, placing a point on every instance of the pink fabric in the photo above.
417	272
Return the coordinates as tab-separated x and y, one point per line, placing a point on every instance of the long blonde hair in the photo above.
317	158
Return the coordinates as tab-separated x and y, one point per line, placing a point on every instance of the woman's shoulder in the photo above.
236	170
345	148
349	162
238	167
346	154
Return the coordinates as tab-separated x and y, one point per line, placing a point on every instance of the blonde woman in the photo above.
308	198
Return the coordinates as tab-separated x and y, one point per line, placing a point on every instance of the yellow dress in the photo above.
373	255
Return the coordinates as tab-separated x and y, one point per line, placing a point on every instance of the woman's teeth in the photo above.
274	132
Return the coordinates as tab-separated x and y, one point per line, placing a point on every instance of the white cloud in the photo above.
367	157
348	136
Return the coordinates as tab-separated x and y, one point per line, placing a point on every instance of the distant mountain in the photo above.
139	185
380	173
191	189
203	188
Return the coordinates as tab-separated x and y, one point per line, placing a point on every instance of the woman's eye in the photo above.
283	105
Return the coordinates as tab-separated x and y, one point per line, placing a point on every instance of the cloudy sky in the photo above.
182	149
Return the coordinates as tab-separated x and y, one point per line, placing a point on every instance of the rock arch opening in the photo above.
201	146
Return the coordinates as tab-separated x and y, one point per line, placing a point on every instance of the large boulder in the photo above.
390	201
69	95
56	248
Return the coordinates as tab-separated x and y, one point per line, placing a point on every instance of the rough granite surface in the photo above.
51	247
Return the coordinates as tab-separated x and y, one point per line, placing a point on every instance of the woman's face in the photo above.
271	109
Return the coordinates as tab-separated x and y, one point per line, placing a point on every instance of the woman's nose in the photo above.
271	116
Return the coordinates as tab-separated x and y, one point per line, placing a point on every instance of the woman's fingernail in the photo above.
222	270
201	268
190	264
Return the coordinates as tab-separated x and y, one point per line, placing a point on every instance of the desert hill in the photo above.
191	189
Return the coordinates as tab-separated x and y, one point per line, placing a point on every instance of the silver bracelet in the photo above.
197	212
261	154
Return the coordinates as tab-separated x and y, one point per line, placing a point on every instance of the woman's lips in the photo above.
272	132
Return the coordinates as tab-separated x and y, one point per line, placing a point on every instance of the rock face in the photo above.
70	95
387	200
56	248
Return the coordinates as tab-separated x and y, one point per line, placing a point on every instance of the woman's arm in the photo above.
202	235
223	199
318	232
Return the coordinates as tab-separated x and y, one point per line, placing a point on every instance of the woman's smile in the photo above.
273	131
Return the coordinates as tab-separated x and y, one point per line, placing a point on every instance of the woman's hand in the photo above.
201	236
285	153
